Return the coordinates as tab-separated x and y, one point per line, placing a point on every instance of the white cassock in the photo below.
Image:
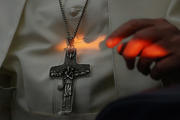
30	31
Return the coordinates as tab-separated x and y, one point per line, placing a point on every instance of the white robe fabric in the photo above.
30	30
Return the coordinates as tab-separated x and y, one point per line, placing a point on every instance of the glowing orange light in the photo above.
60	46
119	48
154	51
134	47
112	42
81	45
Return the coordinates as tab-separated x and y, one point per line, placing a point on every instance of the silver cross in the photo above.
69	71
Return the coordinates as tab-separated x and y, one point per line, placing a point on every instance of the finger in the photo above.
131	27
149	54
164	67
110	43
134	47
131	50
130	62
136	25
152	34
128	29
121	48
144	65
154	51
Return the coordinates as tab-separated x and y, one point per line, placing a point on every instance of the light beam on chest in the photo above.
81	45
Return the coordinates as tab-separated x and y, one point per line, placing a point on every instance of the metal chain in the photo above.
70	39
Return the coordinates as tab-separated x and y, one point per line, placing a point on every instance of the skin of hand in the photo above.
153	40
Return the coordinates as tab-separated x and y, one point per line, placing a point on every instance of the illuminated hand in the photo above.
154	40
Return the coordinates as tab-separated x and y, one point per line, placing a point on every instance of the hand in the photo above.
154	40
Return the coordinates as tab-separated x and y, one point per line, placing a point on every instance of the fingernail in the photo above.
112	42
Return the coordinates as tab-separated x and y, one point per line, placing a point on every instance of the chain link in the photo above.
70	38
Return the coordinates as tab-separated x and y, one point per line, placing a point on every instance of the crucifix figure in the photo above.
69	71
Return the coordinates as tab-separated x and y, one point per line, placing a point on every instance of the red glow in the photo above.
112	42
134	47
154	51
119	48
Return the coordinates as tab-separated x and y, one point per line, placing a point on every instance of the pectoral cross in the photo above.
69	71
